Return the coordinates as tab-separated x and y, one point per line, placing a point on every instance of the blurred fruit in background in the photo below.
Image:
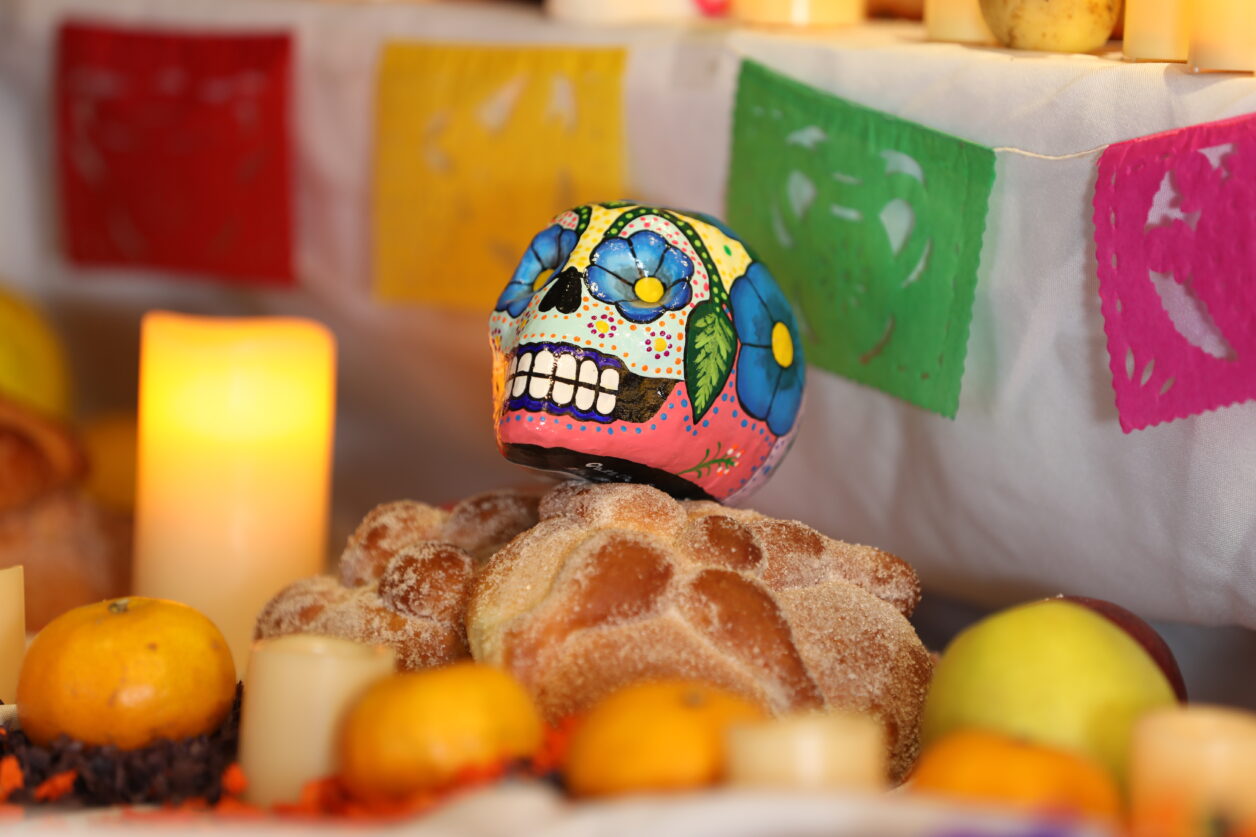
1055	672
422	730
110	440
654	736
990	768
32	359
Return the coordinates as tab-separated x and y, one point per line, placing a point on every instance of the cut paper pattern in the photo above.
872	224
1175	238
173	151
477	146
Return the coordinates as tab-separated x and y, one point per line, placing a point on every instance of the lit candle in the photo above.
799	12
1223	35
1156	30
12	630
838	750
298	688
234	462
957	20
1190	765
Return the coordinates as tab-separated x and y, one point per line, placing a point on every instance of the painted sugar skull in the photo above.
637	344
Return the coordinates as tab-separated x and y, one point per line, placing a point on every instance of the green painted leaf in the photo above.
583	214
710	343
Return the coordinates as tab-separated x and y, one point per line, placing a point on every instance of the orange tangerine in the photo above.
126	672
659	735
981	766
418	730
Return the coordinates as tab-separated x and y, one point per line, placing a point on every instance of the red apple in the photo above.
1144	634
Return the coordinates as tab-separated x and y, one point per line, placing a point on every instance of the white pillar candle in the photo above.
1223	35
837	750
298	688
1190	765
626	11
957	20
12	630
1156	30
234	467
799	12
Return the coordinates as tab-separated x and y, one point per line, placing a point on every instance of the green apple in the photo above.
1054	672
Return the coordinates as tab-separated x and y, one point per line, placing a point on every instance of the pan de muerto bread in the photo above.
405	576
619	583
73	551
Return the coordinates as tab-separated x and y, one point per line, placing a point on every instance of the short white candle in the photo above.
957	20
1223	35
837	750
235	443
12	630
1191	764
1156	30
799	12
297	689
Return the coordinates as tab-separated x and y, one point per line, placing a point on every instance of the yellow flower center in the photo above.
782	345
648	289
602	326
659	344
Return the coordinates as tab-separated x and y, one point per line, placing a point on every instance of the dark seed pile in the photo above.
168	771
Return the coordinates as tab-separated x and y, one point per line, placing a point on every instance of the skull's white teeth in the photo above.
539	387
610	383
564	379
542	372
544	364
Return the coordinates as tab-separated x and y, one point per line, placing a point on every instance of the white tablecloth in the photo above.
1032	489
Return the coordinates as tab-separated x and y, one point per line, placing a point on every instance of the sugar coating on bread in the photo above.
405	576
386	529
621	582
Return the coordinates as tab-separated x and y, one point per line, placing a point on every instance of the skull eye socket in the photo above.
540	264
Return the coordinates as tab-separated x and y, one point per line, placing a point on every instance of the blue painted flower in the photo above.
545	255
641	275
770	367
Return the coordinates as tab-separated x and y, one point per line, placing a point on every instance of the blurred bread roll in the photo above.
73	552
404	577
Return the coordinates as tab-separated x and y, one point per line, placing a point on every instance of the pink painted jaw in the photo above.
705	461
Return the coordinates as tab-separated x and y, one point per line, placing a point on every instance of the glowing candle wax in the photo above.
1157	30
234	467
1223	35
12	630
957	20
1189	765
299	686
799	12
